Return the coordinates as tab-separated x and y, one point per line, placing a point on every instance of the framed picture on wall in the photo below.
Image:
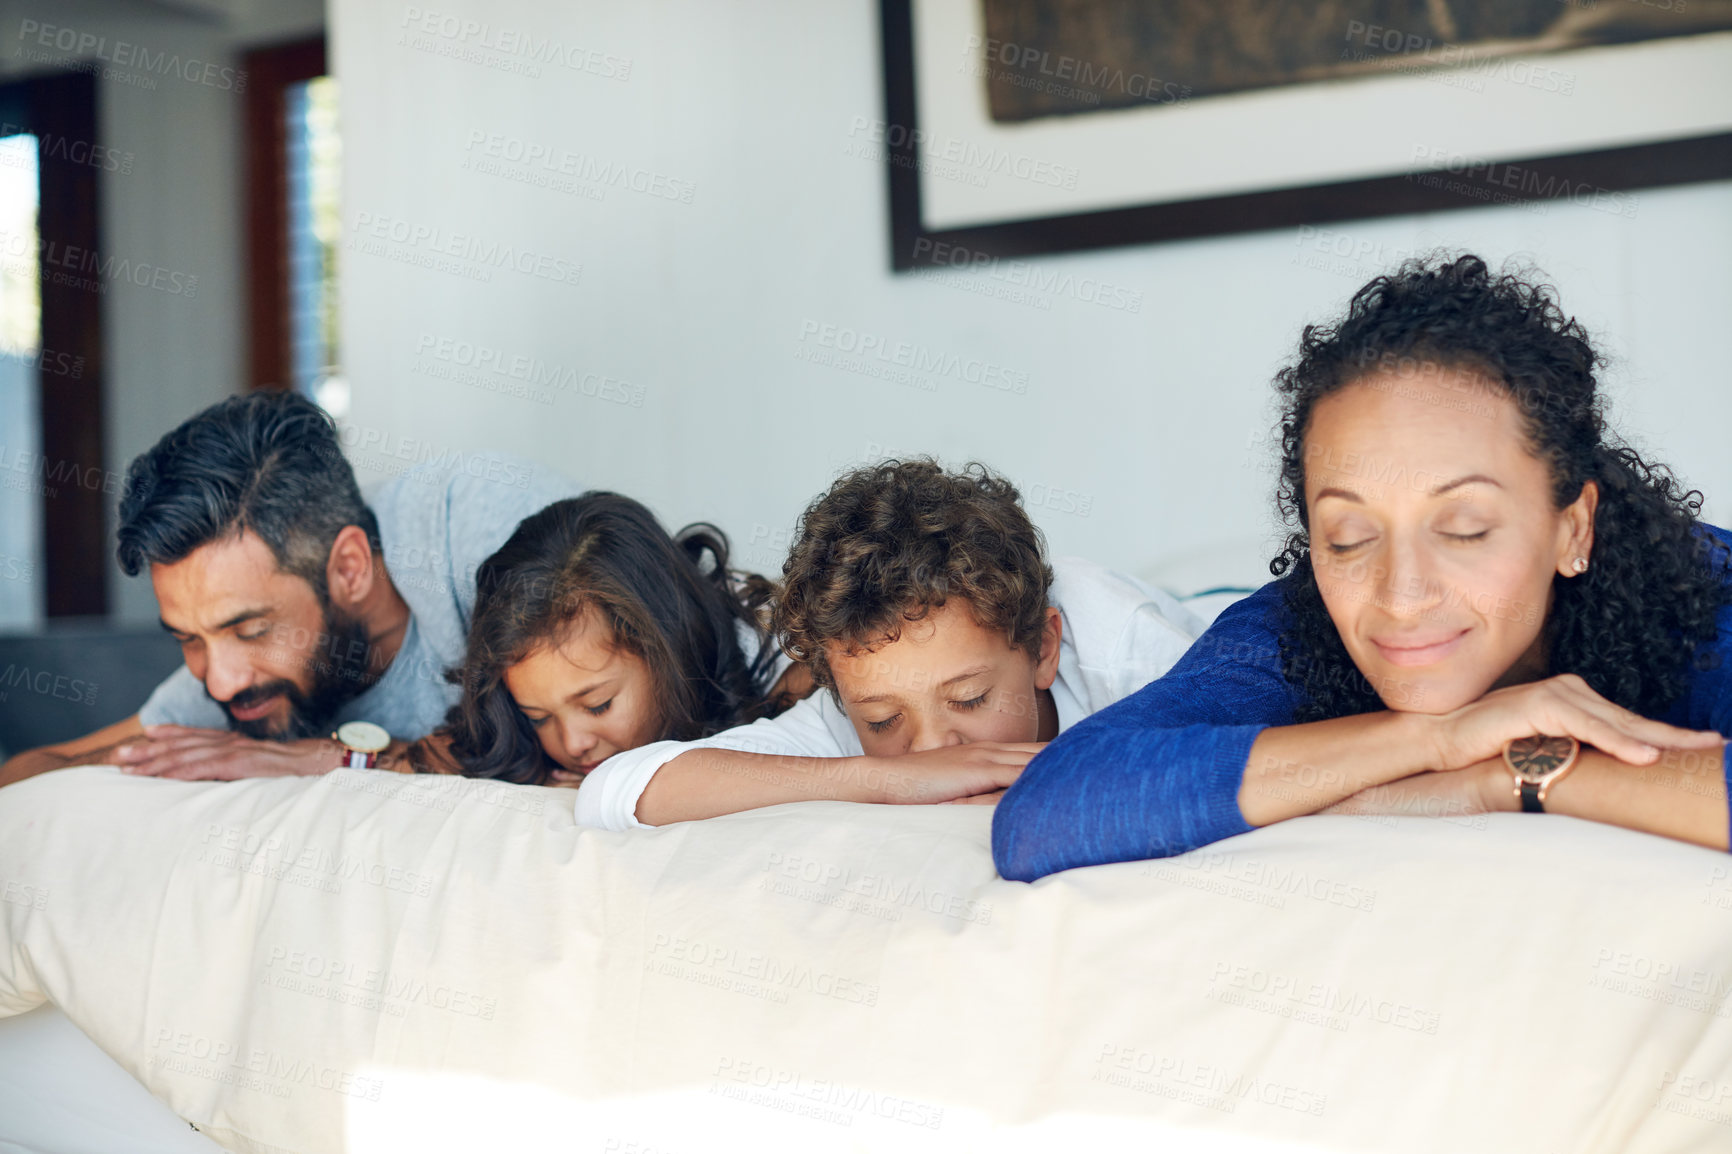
1019	127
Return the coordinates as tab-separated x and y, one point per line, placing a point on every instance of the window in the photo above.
20	343
294	158
313	162
20	294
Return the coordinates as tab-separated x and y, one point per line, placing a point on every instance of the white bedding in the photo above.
371	963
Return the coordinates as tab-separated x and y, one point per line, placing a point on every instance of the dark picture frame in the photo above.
914	245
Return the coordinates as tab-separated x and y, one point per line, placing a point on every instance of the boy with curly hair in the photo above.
946	650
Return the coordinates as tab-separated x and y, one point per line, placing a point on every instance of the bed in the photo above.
366	962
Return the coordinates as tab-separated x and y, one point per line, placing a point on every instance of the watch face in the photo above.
363	736
1537	757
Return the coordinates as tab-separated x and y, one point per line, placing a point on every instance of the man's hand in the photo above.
187	754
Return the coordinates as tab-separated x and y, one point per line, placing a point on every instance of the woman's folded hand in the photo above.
1561	706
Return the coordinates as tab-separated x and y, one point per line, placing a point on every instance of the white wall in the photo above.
1154	416
177	204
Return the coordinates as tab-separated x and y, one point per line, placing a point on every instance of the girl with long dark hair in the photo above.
596	631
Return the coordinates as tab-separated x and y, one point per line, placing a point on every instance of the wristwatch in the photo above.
1538	763
362	743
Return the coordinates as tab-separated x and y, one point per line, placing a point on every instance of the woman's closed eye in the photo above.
973	702
1338	549
598	710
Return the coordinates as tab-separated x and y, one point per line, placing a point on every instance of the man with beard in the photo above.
297	606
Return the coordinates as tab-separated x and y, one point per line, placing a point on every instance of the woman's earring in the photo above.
1581	565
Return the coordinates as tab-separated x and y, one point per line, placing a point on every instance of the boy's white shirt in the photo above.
1119	634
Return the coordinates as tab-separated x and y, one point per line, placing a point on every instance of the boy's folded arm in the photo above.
708	782
613	795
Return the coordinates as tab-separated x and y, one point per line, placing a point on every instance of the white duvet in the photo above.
366	962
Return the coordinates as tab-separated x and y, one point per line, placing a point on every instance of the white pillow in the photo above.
372	963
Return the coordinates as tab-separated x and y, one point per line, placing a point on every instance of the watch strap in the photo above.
352	758
1531	803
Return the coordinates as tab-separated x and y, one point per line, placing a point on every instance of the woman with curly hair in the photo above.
1486	602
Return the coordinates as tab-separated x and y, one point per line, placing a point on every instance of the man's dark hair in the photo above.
269	462
889	543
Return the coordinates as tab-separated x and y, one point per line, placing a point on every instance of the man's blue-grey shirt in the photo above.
437	522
